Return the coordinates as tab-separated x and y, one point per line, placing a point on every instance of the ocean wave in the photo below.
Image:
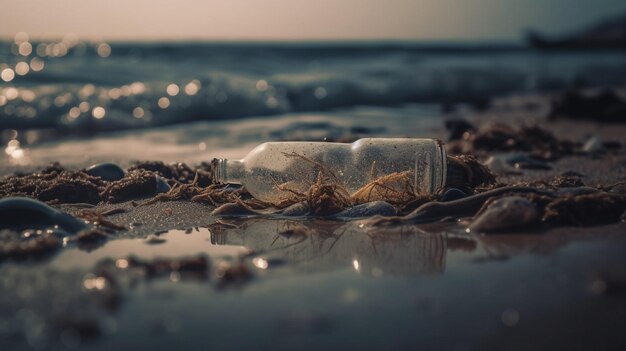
125	86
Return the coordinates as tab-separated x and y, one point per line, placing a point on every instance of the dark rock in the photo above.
16	212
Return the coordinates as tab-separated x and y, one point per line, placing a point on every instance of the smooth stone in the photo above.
161	185
452	194
369	209
498	164
504	163
593	144
295	210
232	210
506	214
25	212
107	171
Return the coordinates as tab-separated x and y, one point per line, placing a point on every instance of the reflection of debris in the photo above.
27	244
43	306
195	266
155	240
232	273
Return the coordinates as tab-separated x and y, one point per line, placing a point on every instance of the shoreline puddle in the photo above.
280	282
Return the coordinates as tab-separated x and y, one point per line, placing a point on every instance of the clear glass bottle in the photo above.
272	168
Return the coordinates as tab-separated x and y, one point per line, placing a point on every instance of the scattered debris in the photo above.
602	106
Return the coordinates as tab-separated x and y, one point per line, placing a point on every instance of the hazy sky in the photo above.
297	19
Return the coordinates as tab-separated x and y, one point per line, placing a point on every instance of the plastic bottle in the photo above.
274	170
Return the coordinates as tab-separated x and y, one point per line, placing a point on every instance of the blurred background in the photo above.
82	82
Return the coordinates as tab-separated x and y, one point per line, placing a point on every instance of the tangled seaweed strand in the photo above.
214	194
326	196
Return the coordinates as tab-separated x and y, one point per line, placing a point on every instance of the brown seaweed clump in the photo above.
214	194
586	210
532	139
193	266
54	184
135	184
178	172
465	172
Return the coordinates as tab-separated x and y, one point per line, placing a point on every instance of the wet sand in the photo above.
268	283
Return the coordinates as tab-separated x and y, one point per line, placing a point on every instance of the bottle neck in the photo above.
229	171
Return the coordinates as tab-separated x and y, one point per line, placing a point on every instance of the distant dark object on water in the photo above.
609	34
604	106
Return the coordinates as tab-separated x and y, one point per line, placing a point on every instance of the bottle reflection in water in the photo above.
274	169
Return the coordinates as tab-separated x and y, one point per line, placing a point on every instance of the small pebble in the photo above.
593	144
232	209
369	209
452	194
507	163
161	185
506	214
107	171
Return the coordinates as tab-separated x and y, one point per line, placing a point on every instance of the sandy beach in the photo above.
430	284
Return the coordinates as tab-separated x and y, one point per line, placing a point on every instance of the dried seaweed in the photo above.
54	184
585	210
97	218
532	139
214	194
178	172
135	184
